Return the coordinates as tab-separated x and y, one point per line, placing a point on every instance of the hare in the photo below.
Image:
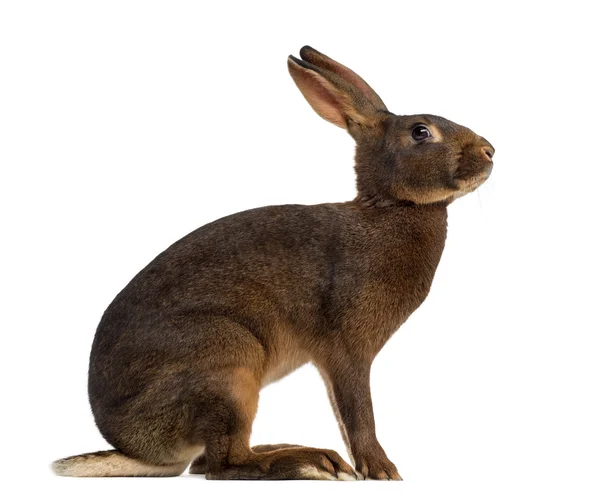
180	355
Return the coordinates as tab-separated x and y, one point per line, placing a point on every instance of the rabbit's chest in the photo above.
398	287
397	274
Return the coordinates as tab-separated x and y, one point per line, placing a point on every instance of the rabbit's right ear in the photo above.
332	96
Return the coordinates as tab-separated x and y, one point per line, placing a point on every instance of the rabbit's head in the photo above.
420	159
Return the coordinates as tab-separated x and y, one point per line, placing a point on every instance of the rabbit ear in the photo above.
331	96
318	59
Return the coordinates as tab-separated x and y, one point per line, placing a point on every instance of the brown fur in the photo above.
180	355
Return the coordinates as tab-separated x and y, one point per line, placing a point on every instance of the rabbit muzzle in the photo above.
474	166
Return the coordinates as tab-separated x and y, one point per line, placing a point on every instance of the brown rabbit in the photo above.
182	352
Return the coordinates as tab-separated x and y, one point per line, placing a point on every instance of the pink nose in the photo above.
488	151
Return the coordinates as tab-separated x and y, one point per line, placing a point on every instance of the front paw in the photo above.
376	467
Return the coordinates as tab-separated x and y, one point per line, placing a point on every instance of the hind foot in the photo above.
199	465
288	462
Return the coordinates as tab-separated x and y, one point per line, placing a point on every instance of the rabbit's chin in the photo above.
469	185
424	196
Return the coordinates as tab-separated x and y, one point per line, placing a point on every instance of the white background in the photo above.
125	125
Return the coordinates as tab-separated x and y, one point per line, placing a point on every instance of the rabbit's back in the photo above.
274	258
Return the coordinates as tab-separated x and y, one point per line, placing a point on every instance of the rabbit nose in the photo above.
488	151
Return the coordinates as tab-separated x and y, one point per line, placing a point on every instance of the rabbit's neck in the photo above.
402	252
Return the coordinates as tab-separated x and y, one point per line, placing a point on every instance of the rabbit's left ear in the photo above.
330	94
315	57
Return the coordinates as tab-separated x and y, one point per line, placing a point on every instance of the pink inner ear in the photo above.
320	95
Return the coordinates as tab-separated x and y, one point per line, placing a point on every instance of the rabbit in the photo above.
181	354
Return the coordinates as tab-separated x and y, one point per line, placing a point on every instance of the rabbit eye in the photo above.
421	133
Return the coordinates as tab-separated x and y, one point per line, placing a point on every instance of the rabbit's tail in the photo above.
111	463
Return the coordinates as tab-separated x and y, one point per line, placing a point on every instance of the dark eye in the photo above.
421	133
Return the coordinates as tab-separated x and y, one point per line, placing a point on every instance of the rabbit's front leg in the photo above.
348	387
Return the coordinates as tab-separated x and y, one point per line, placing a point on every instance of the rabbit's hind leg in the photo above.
229	456
227	399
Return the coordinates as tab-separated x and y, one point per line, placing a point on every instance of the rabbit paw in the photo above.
376	467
